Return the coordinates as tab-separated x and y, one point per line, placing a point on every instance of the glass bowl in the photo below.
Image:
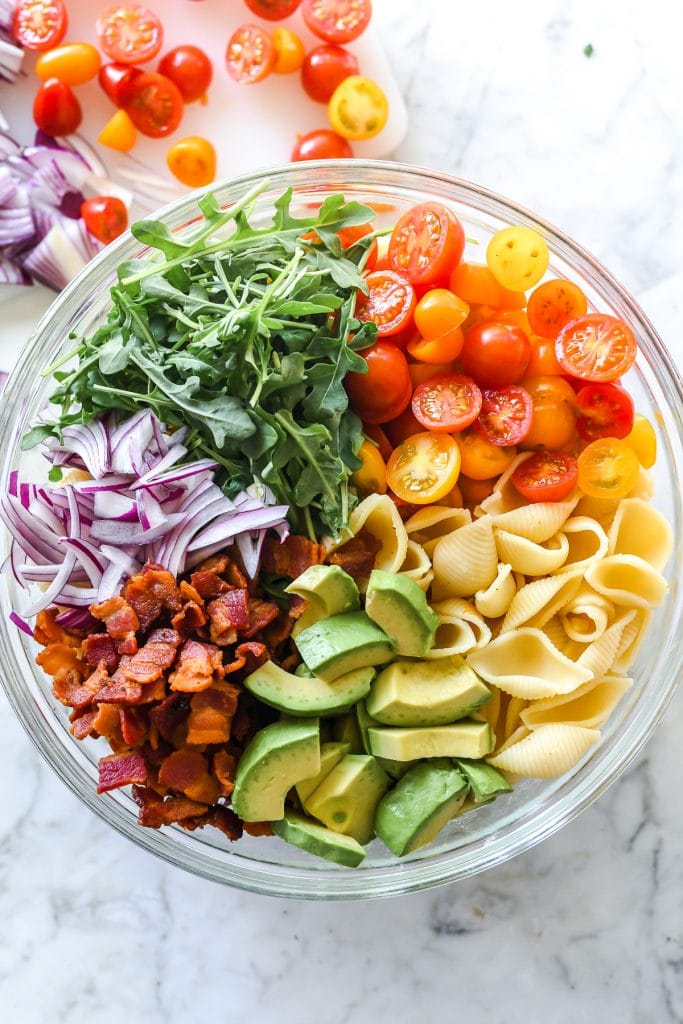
478	840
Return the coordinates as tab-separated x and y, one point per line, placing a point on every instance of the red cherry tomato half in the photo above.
505	417
116	79
321	144
56	110
154	104
389	303
190	69
337	21
39	24
546	476
603	410
272	10
250	54
324	69
384	391
596	347
426	243
447	403
495	353
106	217
129	33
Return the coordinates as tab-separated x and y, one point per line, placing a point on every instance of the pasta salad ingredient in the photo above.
129	33
71	63
424	468
546	476
105	217
337	21
189	69
56	109
596	347
39	24
358	109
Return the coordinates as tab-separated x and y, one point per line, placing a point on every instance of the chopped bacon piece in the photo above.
83	724
357	556
291	661
224	765
190	619
260	614
156	811
188	593
48	631
211	714
128	646
234	575
209	584
214	563
118	616
150	592
227	614
227	821
118	770
101	647
151	692
297	606
150	662
59	660
134	726
291	557
108	722
168	715
164	636
68	689
187	772
254	653
278	631
199	665
258	828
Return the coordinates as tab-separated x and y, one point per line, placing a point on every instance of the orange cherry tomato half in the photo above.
444	349
608	468
190	69
546	476
505	416
426	243
192	161
475	491
321	144
495	353
337	21
105	217
389	303
272	10
447	404
71	63
39	24
371	477
250	54
119	133
324	68
129	33
56	111
603	410
596	347
424	468
384	391
553	424
116	80
154	104
553	304
290	52
482	460
438	312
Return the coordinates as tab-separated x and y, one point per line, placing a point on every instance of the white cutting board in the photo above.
251	126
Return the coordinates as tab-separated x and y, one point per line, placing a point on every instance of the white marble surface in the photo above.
587	927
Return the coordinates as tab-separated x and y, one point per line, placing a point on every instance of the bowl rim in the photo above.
569	796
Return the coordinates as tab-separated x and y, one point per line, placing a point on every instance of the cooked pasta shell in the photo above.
628	580
586	541
549	751
417	565
589	706
466	560
555	632
599	656
631	640
537	602
520	733
536	522
429	525
644	487
495	599
379	515
525	664
530	558
585	618
504	497
491	709
640	529
453	636
456	608
513	715
600	509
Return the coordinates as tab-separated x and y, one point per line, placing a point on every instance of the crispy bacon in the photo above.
199	665
260	614
227	614
169	714
48	631
211	714
223	766
357	556
101	647
156	810
150	592
278	630
291	557
214	563
254	653
208	584
83	723
118	770
187	772
134	726
258	828
60	660
151	661
227	821
190	619
118	616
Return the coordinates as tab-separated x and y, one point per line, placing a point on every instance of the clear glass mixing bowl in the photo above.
475	841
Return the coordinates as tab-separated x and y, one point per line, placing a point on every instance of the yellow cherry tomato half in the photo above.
119	133
71	63
192	161
608	468
481	460
517	257
424	468
438	312
371	478
289	51
358	109
643	441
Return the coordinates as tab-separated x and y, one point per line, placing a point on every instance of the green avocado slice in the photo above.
327	590
393	768
307	697
338	645
397	604
277	758
347	798
413	813
422	693
320	841
330	754
485	781
463	739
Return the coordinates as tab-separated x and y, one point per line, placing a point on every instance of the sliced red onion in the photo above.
3	379
115	506
19	622
90	442
55	261
112	532
76	618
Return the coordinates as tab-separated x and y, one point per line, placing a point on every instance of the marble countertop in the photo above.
587	926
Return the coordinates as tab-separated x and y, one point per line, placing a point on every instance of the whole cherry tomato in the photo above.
385	390
39	24
324	69
321	144
105	217
192	161
56	110
495	353
71	63
190	69
553	424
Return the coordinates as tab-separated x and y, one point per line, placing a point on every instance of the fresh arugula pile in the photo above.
245	333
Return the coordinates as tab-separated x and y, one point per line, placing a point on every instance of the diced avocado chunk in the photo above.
277	758
327	589
347	799
308	697
394	768
320	841
417	693
345	730
417	808
485	781
303	671
463	739
397	604
330	755
338	645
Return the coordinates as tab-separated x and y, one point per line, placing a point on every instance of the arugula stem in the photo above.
64	359
282	420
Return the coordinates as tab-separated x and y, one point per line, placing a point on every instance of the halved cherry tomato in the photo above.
71	63
553	424
39	24
447	404
272	10
119	133
643	441
516	317
389	303
505	415
543	361
376	434
190	69
427	241
596	347
475	491
105	217
518	257
424	468
384	391
603	410
353	233
192	161
324	69
371	478
154	104
553	304
358	109
546	476
495	353
250	54
440	350
420	372
56	110
438	312
482	460
402	427
116	80
321	144
475	284
337	21
290	52
608	468
129	33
